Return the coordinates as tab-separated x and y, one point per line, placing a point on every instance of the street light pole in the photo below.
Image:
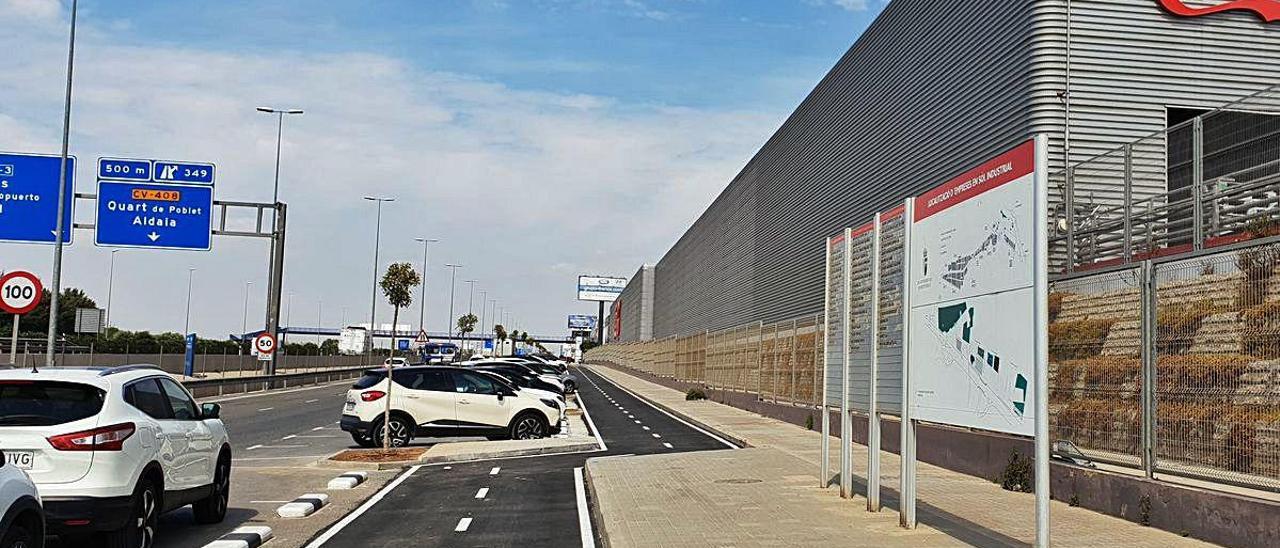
58	234
186	327
453	272
276	278
484	305
422	299
111	282
377	241
471	295
244	318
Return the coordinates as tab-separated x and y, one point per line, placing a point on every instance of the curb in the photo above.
348	480
741	443
303	506
243	537
464	457
327	462
593	499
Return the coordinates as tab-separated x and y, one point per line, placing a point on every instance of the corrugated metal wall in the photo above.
637	306
930	89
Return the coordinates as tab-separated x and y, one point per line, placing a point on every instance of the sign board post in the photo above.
20	293
907	426
835	352
978	287
29	202
873	343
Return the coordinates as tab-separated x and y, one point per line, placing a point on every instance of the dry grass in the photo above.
1260	332
379	455
1078	339
1176	325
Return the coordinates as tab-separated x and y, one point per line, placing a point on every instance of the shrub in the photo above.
1256	264
1260	335
1018	475
808	422
1176	325
1200	374
695	394
1078	339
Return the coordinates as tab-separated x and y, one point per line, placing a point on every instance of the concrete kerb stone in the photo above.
303	506
250	536
348	480
592	495
428	458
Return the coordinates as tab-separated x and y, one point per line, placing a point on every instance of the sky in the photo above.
536	139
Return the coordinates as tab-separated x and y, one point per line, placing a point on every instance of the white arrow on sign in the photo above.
153	236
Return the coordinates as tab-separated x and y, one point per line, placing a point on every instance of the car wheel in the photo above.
363	441
20	535
399	433
528	426
140	530
214	507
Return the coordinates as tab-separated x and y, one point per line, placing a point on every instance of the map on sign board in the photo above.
974	287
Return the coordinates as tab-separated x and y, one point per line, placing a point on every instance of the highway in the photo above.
528	501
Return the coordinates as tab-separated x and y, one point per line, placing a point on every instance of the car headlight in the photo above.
550	403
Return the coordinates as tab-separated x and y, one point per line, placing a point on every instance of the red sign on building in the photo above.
1268	10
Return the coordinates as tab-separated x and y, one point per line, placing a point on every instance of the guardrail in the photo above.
204	388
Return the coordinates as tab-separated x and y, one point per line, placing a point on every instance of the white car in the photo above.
22	524
110	449
443	401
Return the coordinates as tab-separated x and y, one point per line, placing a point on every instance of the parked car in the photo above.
569	380
110	449
533	378
531	367
444	401
521	379
22	524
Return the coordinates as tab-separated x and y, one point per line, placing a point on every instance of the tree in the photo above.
467	323
397	285
329	347
36	322
500	332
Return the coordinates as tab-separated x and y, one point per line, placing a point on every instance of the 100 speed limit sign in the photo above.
20	292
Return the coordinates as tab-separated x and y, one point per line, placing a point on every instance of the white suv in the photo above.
445	401
112	449
22	523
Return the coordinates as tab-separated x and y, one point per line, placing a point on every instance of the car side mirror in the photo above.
210	411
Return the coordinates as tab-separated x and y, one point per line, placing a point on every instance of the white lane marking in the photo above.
657	436
289	437
345	521
448	468
265	409
310	401
591	424
731	445
667	445
495	470
252	447
463	524
637	422
482	493
269	501
584	514
645	427
317	428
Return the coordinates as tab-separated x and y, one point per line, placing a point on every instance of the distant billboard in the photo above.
599	288
582	322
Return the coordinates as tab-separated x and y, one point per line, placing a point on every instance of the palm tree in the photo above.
397	285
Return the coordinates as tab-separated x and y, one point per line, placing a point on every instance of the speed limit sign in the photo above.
265	344
20	292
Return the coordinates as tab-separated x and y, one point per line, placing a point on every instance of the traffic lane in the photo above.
527	501
630	425
264	419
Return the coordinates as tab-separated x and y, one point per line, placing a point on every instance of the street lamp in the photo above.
422	299
60	232
244	318
111	281
377	241
471	296
186	327
280	114
453	272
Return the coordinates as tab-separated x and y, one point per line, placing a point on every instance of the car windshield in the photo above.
45	403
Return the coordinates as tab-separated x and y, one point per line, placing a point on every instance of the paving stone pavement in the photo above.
712	498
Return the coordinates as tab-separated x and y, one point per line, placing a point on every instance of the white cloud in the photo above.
850	5
31	9
523	186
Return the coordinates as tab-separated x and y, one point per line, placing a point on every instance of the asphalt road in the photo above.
529	501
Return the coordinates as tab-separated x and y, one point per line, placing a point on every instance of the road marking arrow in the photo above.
153	236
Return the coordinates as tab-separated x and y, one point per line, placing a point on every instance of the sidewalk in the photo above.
768	495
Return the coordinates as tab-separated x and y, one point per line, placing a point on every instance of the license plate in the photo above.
351	405
21	459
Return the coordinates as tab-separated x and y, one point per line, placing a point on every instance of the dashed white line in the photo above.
495	470
252	447
728	443
310	401
637	422
463	524
317	428
265	409
657	436
448	468
645	427
482	493
667	445
289	437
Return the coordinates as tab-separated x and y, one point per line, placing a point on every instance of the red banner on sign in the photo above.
1002	169
1268	10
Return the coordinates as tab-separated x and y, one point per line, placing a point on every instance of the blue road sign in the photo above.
154	216
189	360
402	344
183	172
29	198
124	169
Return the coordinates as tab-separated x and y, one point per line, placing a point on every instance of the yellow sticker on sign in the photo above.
154	195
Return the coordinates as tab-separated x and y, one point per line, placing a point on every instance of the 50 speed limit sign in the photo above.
20	292
265	344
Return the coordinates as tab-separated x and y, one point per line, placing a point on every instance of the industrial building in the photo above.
931	89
